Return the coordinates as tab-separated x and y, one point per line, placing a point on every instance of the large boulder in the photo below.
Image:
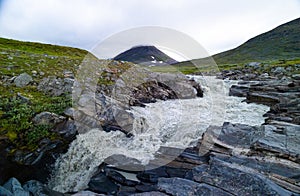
100	183
236	180
48	118
13	187
23	80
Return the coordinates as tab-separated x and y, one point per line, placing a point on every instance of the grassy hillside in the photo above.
282	42
39	61
278	47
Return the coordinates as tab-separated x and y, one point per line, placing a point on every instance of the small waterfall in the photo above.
173	123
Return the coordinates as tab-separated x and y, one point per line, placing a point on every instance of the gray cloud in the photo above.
217	25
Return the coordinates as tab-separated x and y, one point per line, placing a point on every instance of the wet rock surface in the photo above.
234	159
13	188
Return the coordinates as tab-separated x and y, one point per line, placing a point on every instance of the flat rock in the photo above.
238	91
100	183
151	193
183	187
230	138
280	139
237	180
283	172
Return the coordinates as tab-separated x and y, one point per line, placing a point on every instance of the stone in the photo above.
183	187
68	74
265	99
126	191
238	91
39	156
278	70
115	176
296	76
87	193
146	187
69	112
23	98
237	180
48	118
285	173
5	192
23	80
147	176
56	86
15	187
67	129
125	163
151	193
36	188
100	183
230	138
254	65
280	139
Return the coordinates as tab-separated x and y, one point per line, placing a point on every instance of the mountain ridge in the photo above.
282	42
146	55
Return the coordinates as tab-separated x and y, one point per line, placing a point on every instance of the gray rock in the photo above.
68	74
262	98
282	139
281	171
230	138
125	163
296	76
87	193
36	188
69	112
151	193
237	180
67	129
254	65
239	91
23	98
56	86
278	70
15	187
47	118
100	183
23	80
5	192
183	187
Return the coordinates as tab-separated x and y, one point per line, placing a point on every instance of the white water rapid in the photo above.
173	123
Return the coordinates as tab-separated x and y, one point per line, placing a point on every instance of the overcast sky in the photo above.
217	25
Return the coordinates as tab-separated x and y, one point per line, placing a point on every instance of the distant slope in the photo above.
146	55
282	42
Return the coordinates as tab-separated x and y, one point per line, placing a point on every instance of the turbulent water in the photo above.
173	123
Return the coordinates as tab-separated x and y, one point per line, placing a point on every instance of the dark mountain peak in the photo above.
146	55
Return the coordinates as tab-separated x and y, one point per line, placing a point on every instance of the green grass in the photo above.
280	43
17	57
